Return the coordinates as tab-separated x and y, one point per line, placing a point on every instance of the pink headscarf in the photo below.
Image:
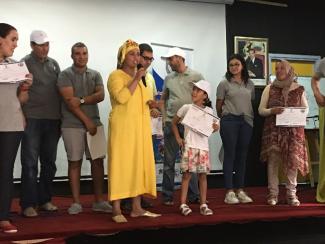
291	76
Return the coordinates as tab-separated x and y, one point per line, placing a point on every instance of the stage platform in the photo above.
60	226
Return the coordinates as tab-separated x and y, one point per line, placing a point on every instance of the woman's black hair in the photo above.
244	72
5	29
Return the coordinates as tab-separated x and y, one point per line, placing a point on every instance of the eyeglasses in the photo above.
148	58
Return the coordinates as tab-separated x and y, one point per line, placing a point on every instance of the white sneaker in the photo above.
231	198
30	212
293	200
272	200
102	206
49	207
243	197
75	208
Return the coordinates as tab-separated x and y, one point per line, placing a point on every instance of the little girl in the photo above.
195	148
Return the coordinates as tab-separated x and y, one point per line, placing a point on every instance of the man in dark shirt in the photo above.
254	65
42	132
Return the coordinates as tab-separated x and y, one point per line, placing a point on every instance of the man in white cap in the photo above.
177	91
42	132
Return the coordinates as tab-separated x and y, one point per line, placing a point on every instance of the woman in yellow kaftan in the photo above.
131	166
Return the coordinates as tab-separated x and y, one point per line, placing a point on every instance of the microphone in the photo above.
311	117
143	78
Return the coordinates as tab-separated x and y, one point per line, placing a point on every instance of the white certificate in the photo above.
13	72
292	117
199	120
157	126
97	143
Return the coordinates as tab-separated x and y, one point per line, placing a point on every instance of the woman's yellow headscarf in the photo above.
124	49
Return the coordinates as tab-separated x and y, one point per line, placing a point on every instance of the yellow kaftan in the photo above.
131	165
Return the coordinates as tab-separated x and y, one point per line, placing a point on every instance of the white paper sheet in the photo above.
157	126
97	144
13	72
200	120
292	117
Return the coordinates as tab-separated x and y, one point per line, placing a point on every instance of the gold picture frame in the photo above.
255	51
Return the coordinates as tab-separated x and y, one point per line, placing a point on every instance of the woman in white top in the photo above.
12	95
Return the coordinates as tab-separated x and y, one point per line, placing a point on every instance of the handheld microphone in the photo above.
143	78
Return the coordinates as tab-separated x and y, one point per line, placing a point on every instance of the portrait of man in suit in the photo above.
254	65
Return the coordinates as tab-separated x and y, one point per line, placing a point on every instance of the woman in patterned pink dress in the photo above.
284	145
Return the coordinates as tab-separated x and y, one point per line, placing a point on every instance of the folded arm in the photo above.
73	104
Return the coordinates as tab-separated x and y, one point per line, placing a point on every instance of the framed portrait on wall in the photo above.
255	52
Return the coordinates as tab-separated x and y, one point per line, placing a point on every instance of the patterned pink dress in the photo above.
289	142
195	160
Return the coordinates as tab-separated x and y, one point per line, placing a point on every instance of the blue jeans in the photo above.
9	143
171	148
235	134
40	141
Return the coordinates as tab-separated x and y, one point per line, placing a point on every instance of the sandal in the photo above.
119	219
205	210
185	209
146	214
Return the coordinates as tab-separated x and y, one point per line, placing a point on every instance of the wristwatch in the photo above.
82	100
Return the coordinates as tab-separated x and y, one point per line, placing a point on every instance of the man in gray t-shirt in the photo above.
177	91
82	89
319	73
42	132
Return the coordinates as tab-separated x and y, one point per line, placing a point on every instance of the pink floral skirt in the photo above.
195	160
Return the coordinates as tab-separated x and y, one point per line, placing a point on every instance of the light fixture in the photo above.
284	5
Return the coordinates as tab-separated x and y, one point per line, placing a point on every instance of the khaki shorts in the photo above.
75	143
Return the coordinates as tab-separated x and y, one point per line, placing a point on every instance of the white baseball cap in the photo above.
174	51
39	37
203	85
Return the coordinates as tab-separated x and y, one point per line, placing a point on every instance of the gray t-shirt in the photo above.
320	69
12	118
44	99
178	87
83	85
237	99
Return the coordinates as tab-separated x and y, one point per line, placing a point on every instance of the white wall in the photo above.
104	25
